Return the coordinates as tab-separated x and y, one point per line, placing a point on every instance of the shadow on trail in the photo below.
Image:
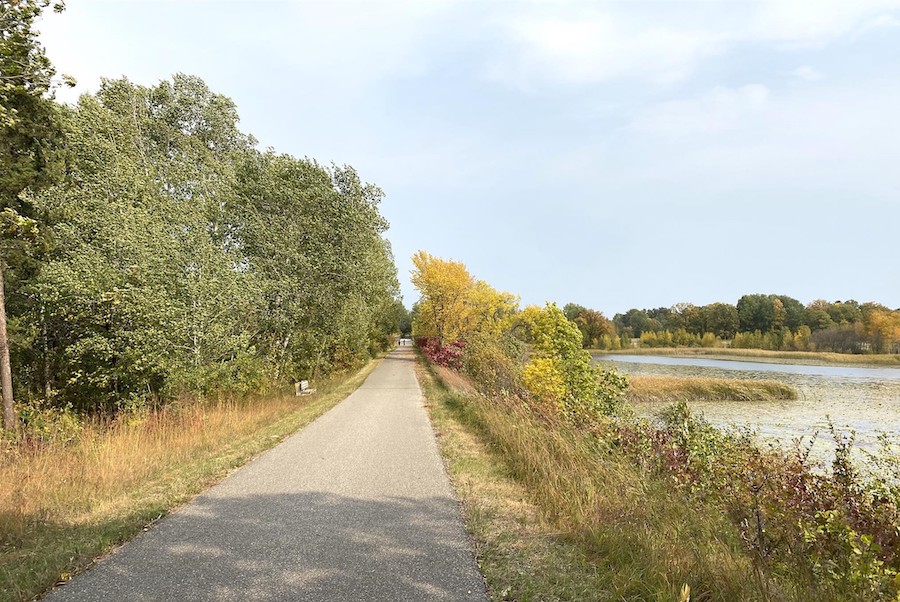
401	354
336	548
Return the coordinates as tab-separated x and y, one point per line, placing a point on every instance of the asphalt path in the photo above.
356	506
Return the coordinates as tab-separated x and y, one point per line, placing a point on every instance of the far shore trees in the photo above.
772	322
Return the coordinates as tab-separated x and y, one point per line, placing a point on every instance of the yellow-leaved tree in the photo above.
463	313
883	328
453	305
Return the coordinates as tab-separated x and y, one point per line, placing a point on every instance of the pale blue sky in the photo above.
616	155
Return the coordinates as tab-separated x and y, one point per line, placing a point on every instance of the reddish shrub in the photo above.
449	356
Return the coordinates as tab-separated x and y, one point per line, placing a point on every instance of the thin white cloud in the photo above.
801	144
592	46
345	46
351	44
804	23
567	43
807	74
720	110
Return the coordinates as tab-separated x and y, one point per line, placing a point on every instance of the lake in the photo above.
866	400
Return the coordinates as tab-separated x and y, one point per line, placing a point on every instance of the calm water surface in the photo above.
866	400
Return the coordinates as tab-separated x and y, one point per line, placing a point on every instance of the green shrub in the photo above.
563	373
495	366
45	423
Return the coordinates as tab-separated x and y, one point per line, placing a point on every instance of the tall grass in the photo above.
800	357
64	503
656	507
669	389
642	542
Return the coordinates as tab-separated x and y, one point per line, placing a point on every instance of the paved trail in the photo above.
356	506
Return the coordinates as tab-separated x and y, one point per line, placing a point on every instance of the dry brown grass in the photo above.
522	555
669	389
454	380
63	504
109	464
557	517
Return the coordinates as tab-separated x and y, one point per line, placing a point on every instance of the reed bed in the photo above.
670	389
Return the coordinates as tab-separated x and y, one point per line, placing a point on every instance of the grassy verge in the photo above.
63	505
762	355
557	518
669	389
522	556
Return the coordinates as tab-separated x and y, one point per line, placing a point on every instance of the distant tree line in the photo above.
758	321
150	251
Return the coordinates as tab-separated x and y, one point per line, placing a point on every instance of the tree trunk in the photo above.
46	351
281	353
9	412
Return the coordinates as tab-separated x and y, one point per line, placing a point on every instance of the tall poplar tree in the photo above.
29	131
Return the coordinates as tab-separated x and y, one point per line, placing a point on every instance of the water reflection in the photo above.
885	373
863	399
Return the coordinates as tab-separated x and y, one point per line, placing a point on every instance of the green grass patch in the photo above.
64	505
669	389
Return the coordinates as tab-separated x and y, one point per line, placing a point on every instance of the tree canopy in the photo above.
454	305
30	157
185	261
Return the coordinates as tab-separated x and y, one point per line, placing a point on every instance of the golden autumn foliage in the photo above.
883	327
544	380
561	372
455	305
475	327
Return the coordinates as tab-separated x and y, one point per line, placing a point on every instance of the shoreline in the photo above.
810	358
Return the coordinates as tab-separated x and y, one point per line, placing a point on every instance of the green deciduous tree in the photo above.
635	321
722	319
573	310
29	158
561	372
756	312
594	326
187	262
315	237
